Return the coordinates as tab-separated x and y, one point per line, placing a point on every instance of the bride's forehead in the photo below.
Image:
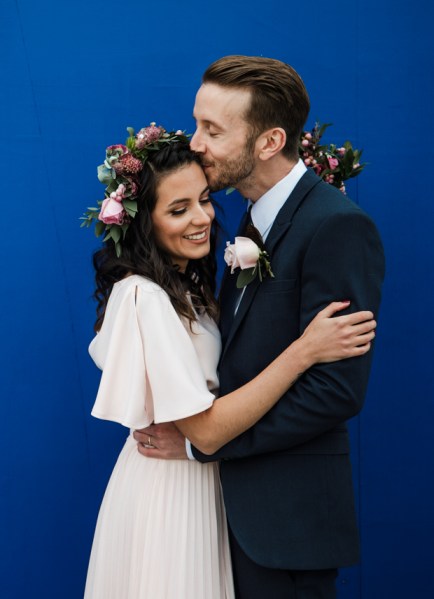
189	180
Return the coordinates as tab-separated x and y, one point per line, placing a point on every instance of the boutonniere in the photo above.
250	257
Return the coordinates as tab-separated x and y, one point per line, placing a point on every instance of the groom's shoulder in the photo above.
325	200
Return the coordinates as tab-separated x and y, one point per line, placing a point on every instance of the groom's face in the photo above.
223	137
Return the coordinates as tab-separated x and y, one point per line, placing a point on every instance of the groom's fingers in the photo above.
163	441
149	434
162	454
143	436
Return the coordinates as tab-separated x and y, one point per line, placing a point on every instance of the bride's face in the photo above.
183	215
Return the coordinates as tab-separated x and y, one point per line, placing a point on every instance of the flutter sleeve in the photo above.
151	371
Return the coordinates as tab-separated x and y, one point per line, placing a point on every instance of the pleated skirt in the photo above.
161	532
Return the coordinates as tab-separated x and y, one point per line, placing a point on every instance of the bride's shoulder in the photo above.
132	282
136	290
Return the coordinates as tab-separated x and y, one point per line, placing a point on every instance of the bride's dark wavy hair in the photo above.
142	256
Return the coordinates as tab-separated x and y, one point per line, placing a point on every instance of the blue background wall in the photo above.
73	76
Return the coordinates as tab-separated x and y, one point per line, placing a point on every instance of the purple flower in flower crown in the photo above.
113	153
147	135
119	148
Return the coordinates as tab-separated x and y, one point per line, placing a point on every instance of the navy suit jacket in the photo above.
287	481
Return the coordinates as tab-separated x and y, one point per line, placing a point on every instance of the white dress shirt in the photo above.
263	215
265	210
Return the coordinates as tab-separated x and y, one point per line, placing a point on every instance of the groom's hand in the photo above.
163	441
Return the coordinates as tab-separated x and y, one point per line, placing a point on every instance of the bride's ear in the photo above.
270	143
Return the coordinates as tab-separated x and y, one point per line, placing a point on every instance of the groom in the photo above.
287	481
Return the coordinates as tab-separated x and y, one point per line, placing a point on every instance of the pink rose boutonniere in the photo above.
250	258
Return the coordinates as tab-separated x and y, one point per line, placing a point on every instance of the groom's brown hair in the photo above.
278	95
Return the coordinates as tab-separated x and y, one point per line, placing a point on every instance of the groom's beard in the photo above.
232	171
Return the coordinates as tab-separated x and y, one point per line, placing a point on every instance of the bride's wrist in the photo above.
304	352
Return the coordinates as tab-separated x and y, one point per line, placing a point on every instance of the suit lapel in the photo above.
229	292
246	300
284	218
230	323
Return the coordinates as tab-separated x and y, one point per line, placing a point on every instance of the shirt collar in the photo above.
265	210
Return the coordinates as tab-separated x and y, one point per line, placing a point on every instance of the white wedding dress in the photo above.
161	530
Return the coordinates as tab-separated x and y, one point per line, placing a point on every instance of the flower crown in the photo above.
333	164
120	173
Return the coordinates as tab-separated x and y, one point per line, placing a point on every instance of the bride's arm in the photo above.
326	339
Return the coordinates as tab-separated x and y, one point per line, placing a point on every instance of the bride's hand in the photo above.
330	338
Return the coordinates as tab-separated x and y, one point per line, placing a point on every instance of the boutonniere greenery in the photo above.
249	255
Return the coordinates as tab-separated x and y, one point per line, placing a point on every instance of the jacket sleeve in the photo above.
344	260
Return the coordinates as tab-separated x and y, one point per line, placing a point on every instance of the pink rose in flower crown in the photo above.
244	253
112	211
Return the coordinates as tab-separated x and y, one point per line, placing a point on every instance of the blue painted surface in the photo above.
73	75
